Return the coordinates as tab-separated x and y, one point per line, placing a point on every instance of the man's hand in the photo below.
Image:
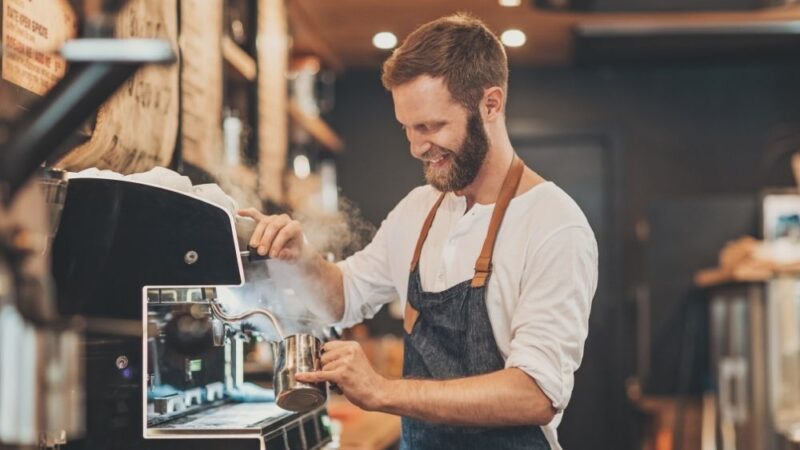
280	237
344	363
507	397
316	281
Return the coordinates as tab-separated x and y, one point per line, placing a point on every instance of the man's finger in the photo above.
258	231
288	255
332	366
315	377
333	345
251	213
270	232
284	237
331	355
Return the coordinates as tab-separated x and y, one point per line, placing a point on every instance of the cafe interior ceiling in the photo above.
341	31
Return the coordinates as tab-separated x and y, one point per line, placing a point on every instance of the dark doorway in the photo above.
586	166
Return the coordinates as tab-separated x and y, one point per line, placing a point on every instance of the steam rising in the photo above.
243	196
278	286
339	234
283	288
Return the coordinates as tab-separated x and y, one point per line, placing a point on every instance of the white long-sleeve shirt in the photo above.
541	287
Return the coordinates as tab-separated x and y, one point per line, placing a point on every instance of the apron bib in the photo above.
448	335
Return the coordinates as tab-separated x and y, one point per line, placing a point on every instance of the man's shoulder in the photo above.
418	200
423	193
548	200
547	209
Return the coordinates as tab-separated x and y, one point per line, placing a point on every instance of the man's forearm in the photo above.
503	398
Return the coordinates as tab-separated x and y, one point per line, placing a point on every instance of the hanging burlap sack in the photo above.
136	129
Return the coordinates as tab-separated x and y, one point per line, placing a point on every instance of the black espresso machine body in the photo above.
115	237
131	259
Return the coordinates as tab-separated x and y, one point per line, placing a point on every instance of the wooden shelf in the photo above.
243	63
317	128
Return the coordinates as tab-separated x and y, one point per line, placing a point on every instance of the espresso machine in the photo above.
155	273
41	377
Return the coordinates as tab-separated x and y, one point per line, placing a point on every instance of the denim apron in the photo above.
448	335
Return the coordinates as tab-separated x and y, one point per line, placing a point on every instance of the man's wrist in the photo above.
387	395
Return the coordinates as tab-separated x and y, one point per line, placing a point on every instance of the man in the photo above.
496	266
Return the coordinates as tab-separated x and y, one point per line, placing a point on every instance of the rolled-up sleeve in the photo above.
366	277
551	319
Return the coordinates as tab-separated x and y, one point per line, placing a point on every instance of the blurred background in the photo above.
674	124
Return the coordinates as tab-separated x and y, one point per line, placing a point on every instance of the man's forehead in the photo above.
424	86
423	99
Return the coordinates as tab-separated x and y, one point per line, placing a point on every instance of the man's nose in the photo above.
418	144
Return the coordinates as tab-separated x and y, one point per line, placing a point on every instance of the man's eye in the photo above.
431	128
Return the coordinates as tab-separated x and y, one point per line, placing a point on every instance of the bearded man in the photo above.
496	266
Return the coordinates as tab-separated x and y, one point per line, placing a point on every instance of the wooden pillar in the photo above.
201	83
273	55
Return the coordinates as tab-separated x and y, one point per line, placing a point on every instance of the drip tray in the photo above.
239	417
242	426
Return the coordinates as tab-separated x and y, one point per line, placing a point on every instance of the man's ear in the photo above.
494	99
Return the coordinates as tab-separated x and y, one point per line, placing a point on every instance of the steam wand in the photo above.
231	318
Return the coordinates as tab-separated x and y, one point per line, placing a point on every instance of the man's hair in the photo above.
458	48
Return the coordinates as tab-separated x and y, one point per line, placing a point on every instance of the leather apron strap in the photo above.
426	227
410	315
483	266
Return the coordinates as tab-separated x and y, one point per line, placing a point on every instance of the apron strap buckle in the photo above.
482	272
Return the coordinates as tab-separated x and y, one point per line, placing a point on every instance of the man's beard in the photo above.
464	164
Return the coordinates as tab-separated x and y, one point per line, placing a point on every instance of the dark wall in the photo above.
683	129
376	170
680	133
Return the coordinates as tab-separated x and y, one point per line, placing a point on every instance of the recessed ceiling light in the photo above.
510	3
384	40
513	38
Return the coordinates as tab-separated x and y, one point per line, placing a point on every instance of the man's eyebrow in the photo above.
431	123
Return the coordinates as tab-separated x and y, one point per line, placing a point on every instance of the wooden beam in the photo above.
304	31
201	83
273	62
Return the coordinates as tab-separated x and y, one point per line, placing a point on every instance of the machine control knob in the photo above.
190	257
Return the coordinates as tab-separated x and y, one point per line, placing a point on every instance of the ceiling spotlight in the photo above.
513	38
510	3
384	40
